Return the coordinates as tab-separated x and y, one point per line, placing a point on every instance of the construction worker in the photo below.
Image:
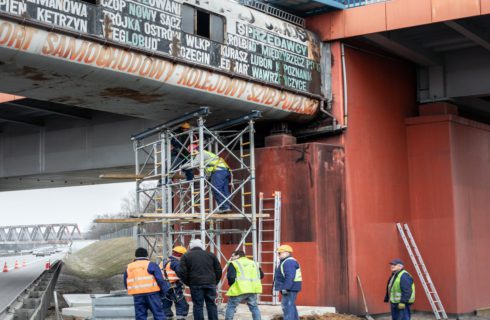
244	277
287	280
175	294
179	153
144	281
201	271
400	291
218	171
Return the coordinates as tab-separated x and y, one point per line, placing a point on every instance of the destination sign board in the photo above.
281	57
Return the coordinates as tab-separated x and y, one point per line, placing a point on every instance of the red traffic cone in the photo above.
23	264
16	264
5	268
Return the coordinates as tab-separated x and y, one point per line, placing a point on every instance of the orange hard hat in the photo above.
285	248
185	125
179	249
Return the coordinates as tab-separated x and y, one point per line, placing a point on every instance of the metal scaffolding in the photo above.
172	188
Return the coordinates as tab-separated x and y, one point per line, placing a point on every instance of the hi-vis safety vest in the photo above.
139	281
214	163
396	291
168	273
297	277
247	278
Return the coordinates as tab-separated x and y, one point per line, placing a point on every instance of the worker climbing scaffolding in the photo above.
218	171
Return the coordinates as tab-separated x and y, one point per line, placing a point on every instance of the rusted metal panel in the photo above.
311	179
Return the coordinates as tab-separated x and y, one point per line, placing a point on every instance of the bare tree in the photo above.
128	209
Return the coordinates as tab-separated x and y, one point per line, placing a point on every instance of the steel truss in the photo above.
43	233
187	208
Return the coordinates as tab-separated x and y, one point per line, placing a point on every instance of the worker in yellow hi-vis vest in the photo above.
145	283
218	171
288	280
400	291
244	277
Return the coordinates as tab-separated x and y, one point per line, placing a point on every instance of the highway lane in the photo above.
12	283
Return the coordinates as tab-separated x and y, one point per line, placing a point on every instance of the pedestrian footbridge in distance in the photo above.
86	77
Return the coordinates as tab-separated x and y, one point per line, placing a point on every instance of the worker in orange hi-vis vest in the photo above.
144	281
175	294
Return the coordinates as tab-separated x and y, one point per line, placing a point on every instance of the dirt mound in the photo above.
101	260
70	284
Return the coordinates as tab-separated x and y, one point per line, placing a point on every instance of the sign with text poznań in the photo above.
285	58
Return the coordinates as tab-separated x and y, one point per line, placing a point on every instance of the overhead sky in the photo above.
62	205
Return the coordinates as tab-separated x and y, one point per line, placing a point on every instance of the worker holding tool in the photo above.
287	280
400	291
244	280
218	171
175	294
144	281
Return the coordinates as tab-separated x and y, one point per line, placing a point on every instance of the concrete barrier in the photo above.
34	301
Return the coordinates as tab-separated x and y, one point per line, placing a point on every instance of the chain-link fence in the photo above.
123	233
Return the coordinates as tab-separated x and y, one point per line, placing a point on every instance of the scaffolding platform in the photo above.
149	217
175	191
214	216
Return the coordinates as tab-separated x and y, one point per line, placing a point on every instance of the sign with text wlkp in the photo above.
219	33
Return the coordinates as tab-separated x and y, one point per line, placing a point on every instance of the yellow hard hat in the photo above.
185	125
285	248
179	249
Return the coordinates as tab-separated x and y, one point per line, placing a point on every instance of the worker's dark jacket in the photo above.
199	267
179	145
286	281
405	285
231	274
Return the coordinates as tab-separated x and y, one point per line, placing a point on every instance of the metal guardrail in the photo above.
117	306
34	301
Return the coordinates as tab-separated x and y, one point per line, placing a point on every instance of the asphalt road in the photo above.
13	282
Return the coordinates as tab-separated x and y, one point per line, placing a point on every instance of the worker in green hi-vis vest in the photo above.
244	277
400	291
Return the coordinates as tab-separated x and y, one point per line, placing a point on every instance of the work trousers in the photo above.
175	295
400	314
233	302
204	294
220	180
143	302
288	305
